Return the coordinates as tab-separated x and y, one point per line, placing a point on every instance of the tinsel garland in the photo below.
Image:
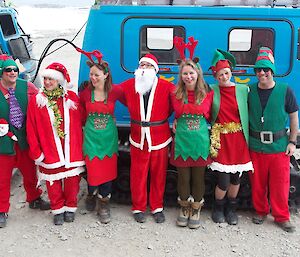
218	129
52	97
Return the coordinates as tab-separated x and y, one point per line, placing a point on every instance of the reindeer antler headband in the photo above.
181	46
97	54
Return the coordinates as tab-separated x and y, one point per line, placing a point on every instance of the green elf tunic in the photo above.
190	147
100	145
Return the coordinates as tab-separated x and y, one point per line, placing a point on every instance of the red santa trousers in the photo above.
271	176
22	161
142	162
63	194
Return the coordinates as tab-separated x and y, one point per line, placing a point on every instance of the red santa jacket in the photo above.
45	146
158	109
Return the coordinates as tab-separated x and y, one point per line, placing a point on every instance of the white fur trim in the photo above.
54	74
39	159
14	138
58	211
136	211
41	100
100	196
157	210
61	175
70	209
238	168
151	61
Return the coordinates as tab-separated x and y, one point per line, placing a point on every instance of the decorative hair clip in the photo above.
181	46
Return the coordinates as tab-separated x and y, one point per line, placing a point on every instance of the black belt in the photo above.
148	123
267	137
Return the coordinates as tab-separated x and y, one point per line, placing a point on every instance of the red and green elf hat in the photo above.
222	60
265	59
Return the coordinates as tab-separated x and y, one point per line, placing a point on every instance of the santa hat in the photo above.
265	59
58	72
150	58
222	60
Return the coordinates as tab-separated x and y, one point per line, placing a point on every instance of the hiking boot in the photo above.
194	219
258	219
104	210
159	217
39	203
218	211
3	218
286	226
58	219
139	217
90	202
230	211
184	213
69	216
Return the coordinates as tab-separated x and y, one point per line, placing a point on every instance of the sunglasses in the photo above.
11	69
260	69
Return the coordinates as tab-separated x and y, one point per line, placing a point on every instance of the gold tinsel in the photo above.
52	96
218	129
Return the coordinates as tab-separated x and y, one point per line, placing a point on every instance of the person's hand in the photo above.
174	126
290	149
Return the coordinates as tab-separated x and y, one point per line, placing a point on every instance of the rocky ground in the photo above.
32	233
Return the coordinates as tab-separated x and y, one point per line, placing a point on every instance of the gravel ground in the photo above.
32	233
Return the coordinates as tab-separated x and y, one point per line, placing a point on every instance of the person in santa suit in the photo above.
100	145
14	97
148	101
54	129
229	120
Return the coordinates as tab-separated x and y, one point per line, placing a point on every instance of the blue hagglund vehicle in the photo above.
15	42
125	30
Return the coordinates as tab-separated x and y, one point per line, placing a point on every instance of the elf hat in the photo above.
222	60
265	59
6	61
58	72
150	58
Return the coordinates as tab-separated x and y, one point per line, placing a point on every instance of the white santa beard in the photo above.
3	130
144	79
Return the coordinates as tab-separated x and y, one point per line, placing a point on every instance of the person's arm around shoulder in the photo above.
32	89
294	126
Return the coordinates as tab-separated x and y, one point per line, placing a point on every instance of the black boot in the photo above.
230	211
218	211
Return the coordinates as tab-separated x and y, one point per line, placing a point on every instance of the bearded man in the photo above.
148	100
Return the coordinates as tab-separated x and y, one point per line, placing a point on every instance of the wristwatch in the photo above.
293	142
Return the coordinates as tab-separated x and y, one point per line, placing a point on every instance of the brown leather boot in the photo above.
184	213
194	219
103	209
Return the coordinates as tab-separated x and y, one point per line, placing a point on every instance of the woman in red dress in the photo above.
100	145
190	149
229	137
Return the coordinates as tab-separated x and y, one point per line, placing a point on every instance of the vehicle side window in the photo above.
7	25
244	43
159	41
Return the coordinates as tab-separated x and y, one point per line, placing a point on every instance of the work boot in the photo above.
58	219
194	219
3	218
139	217
90	202
39	203
230	211
287	226
69	216
184	213
103	209
159	217
218	211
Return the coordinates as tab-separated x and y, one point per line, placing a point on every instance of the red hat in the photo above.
150	58
58	72
3	121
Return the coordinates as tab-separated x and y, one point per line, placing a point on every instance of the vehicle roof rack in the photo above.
257	3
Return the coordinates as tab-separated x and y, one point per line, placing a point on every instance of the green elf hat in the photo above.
265	59
222	60
6	61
